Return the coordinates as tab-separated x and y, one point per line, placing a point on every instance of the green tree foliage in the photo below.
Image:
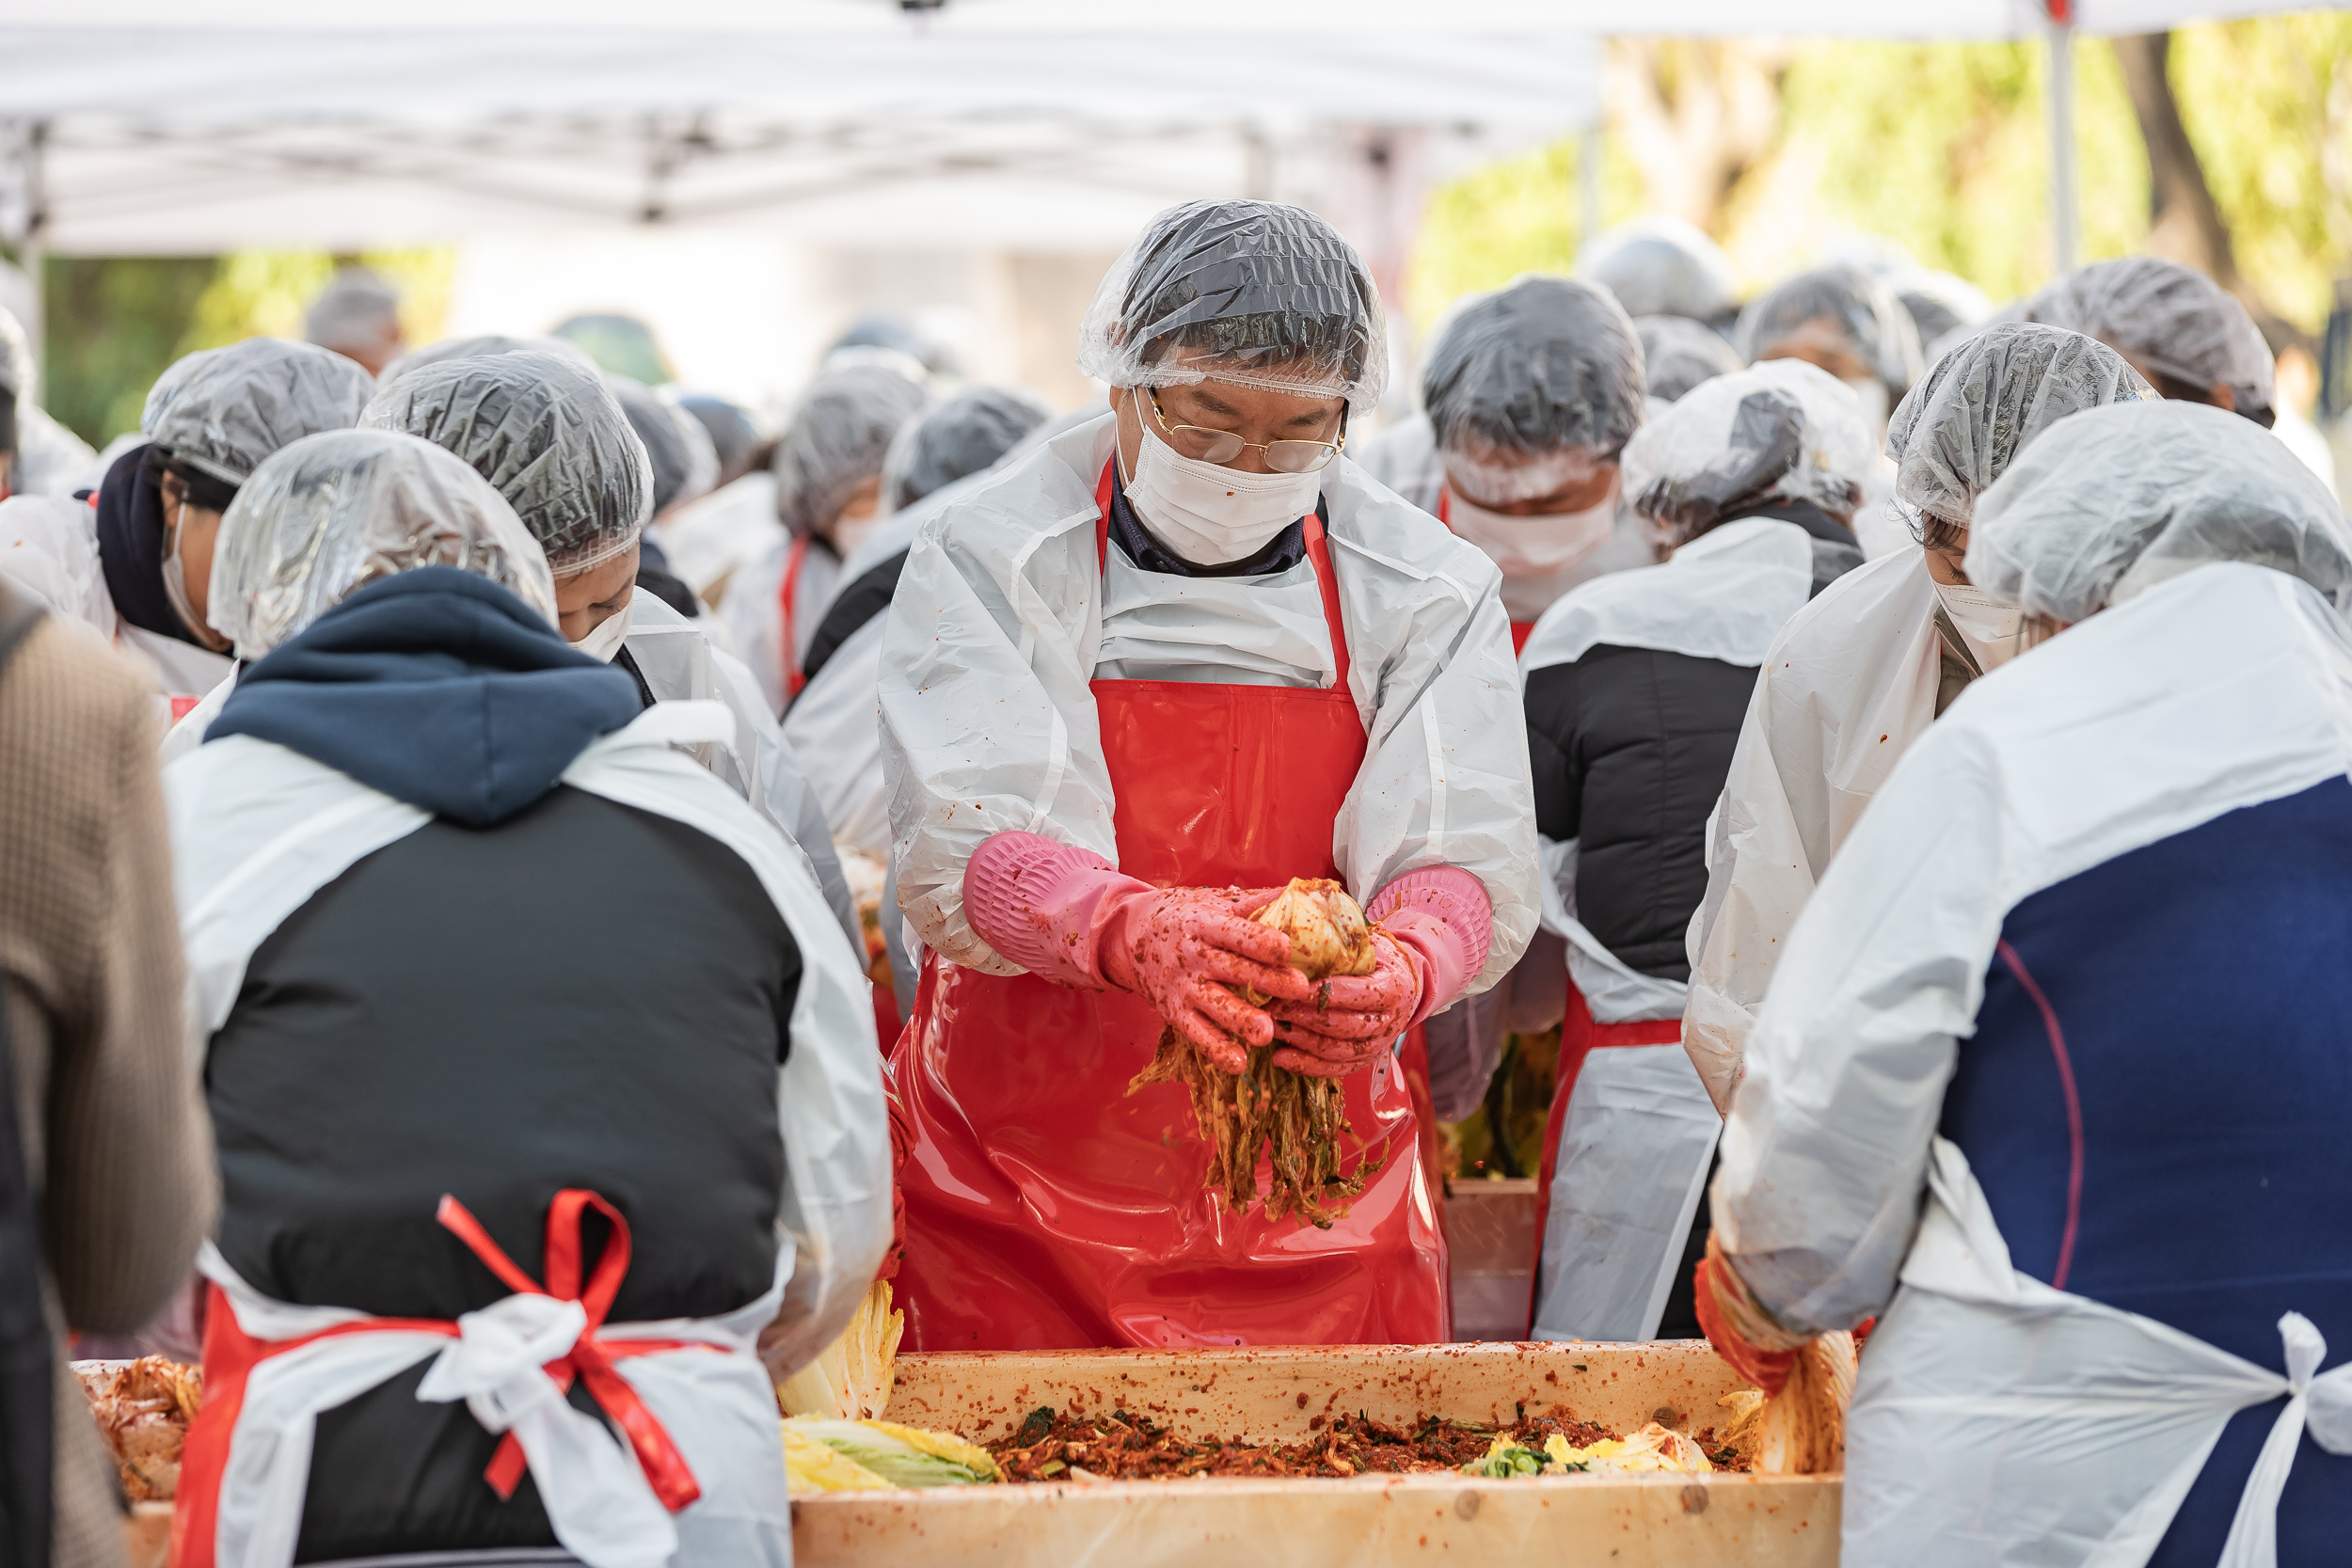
1943	148
114	324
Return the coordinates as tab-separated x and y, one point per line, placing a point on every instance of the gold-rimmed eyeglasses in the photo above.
1223	446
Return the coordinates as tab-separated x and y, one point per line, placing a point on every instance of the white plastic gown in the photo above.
1404	458
835	722
753	611
989	725
257	829
1845	689
1967	1442
1640	1129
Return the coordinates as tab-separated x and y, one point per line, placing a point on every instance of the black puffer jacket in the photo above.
1630	747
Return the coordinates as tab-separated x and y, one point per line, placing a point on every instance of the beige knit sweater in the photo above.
89	961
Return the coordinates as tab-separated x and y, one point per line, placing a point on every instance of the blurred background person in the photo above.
106	1181
383	1013
2051	1079
1661	265
2186	336
209	420
38	455
1634	687
685	467
1528	397
829	477
1861	672
357	315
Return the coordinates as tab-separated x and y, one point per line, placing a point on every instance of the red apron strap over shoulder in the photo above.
788	638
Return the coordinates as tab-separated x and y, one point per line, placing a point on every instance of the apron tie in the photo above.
514	1360
2322	1402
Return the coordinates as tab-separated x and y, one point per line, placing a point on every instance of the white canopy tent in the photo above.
199	126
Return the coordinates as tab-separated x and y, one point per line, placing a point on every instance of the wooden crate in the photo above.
1657	1521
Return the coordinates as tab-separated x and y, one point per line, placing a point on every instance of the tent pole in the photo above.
2065	210
1589	148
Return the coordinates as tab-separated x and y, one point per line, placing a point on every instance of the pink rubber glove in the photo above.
1351	1021
1045	905
1180	948
1441	921
1065	915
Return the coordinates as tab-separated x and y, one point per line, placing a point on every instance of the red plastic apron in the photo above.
1580	1037
230	1354
794	679
1047	1207
1519	629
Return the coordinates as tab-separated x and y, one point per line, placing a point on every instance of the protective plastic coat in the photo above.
988	724
1627	1151
223	410
1857	676
240	872
1997	1419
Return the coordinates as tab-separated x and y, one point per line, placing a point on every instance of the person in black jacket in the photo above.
1635	688
539	1071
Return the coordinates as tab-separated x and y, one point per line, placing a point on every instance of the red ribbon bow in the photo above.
589	1359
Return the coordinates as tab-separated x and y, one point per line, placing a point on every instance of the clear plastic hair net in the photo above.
1661	266
1782	430
2168	318
732	430
477	348
546	433
356	311
836	440
223	410
1530	387
2111	503
1251	293
1677	354
1835	308
1957	429
331	514
963	435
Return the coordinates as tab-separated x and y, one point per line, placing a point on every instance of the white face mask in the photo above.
1208	514
1542	546
175	573
1988	626
605	638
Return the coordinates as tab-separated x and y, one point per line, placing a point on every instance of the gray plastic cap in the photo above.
222	411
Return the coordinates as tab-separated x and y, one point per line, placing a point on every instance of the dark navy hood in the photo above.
439	688
130	548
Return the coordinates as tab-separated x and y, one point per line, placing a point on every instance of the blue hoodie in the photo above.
439	688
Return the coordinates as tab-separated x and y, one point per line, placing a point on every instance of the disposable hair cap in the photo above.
479	348
963	435
2170	318
2111	503
1955	432
222	411
1251	293
330	513
1782	430
549	436
1532	386
685	465
1840	308
836	440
